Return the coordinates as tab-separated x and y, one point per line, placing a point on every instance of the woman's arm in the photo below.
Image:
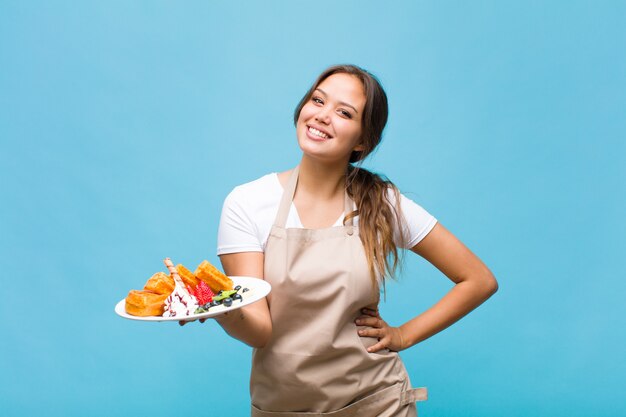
251	324
474	284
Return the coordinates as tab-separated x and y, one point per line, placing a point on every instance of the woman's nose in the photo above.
323	115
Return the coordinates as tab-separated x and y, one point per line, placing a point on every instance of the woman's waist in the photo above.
317	335
283	381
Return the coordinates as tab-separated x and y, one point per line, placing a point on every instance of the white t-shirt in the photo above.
250	210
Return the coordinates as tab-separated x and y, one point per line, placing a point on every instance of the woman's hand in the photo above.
388	337
183	322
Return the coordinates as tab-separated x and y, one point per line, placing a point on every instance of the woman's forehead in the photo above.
344	87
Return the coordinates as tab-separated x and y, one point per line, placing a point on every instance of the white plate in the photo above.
257	289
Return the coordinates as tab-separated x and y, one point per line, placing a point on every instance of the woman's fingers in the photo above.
372	332
183	322
386	341
382	344
376	327
370	312
382	334
369	321
388	337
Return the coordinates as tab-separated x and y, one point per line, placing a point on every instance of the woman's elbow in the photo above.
489	284
262	338
259	343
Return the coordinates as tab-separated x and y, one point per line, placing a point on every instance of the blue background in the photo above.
123	125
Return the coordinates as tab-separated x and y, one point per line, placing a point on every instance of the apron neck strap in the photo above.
289	192
348	207
285	202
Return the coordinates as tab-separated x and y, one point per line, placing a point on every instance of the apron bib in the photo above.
315	363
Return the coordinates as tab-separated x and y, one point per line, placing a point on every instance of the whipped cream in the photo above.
180	303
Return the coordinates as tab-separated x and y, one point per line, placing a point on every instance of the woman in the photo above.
325	235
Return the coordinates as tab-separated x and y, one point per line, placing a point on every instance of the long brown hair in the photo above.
379	219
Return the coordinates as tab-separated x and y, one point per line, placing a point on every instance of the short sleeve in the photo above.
237	231
417	222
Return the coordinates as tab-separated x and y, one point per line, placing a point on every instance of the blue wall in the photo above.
123	125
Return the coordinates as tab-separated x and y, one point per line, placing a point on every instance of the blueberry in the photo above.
228	302
244	290
237	297
238	287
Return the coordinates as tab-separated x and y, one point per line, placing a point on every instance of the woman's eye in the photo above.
317	100
346	114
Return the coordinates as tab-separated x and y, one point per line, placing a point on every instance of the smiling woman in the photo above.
326	235
328	123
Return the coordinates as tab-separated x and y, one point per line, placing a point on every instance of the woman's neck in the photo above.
322	179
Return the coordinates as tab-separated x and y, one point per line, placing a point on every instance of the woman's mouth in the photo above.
316	133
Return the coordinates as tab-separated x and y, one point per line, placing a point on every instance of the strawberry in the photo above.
203	293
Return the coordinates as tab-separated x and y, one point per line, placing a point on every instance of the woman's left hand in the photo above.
388	337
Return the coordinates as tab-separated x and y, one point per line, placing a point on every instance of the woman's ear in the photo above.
359	148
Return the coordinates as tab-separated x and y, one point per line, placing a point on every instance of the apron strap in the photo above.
287	198
348	207
285	202
413	395
388	398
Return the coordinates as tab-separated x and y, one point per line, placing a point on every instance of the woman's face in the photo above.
329	125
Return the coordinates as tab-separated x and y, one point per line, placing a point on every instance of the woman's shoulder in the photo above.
262	183
256	192
393	192
415	219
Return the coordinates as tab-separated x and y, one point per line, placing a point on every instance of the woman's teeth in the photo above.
318	133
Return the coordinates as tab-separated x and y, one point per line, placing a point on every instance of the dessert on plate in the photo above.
183	293
145	303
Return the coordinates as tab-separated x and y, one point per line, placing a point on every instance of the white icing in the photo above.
180	303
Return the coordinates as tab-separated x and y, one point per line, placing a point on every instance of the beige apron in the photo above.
315	363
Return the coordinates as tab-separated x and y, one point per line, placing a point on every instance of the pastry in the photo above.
145	303
214	277
189	279
160	283
174	295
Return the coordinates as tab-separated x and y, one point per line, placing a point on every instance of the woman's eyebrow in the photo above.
341	102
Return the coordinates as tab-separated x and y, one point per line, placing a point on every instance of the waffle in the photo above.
145	303
213	277
160	283
188	278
